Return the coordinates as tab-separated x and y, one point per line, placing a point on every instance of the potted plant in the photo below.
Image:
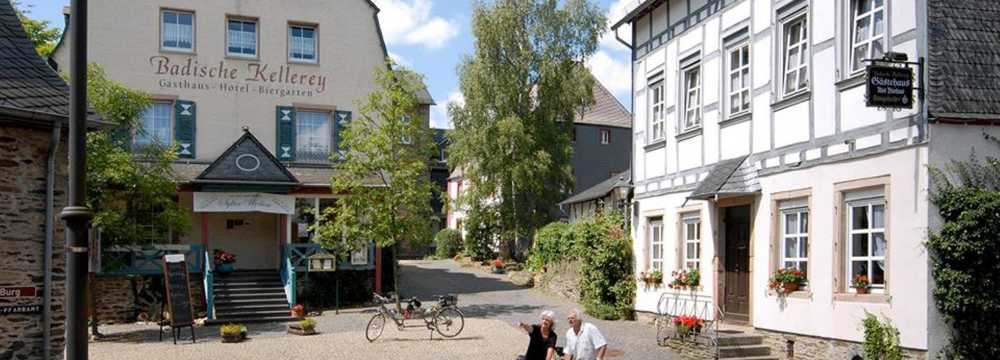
298	311
497	266
652	278
223	261
860	284
305	326
787	280
685	278
233	333
686	325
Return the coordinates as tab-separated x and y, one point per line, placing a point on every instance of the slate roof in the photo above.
606	110
602	188
964	58
27	83
226	168
424	97
728	177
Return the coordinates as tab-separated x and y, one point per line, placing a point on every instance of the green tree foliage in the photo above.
607	284
554	243
39	32
522	86
965	255
604	248
385	173
449	243
881	341
132	191
480	235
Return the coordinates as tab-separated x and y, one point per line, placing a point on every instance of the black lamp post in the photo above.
76	214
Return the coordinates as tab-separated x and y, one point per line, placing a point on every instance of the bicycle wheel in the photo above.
449	322
375	327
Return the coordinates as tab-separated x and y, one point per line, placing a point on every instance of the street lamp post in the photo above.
76	214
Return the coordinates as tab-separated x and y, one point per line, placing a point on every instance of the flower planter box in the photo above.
295	329
861	290
224	268
790	287
234	338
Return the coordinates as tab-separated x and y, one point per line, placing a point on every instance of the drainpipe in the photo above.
50	188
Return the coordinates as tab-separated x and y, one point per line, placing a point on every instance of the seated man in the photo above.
583	341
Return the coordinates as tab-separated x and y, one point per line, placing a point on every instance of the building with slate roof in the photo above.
755	150
34	110
255	97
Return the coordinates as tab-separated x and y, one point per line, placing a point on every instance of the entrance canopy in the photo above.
733	177
244	202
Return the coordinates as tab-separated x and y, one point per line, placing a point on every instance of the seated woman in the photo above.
542	345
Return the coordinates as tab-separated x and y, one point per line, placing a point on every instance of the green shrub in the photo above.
881	340
606	277
479	233
449	243
965	255
307	324
554	243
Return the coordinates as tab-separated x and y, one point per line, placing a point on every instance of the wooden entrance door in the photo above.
736	303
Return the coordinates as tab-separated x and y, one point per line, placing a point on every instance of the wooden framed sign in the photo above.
178	290
889	86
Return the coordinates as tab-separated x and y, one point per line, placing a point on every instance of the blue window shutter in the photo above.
285	117
341	120
184	128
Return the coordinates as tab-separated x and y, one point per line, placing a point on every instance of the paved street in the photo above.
491	304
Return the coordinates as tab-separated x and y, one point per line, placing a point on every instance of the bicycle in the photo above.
444	317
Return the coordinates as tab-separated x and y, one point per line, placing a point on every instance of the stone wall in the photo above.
810	347
126	299
561	279
23	154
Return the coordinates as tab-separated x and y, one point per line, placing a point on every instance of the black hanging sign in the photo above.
175	275
889	87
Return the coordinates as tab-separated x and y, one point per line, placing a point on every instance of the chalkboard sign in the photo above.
178	291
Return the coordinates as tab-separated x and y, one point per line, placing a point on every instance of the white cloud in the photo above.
616	11
439	114
612	70
410	22
400	59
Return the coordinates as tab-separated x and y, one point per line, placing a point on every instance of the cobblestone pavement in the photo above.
491	304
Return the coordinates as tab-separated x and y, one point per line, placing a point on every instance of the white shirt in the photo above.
584	346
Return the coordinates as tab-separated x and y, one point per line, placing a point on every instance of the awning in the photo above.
731	177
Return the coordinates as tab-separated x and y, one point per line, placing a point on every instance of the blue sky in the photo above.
432	36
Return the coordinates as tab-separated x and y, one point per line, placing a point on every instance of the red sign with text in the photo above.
15	292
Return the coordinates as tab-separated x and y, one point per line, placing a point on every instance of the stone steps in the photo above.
250	296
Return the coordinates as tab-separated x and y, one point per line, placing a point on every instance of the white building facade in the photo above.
754	150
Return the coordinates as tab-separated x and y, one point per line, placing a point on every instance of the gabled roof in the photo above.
963	59
27	83
247	162
602	188
639	8
606	110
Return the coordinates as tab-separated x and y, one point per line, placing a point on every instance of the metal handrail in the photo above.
209	287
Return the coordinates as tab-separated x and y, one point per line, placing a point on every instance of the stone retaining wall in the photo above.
810	347
561	279
116	301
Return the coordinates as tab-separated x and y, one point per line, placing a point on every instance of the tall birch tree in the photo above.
523	86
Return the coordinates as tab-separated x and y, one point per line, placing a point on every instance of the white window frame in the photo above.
800	236
163	31
689	261
692	117
871	38
870	257
742	74
801	47
299	135
605	136
293	41
657	112
656	242
255	37
145	133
